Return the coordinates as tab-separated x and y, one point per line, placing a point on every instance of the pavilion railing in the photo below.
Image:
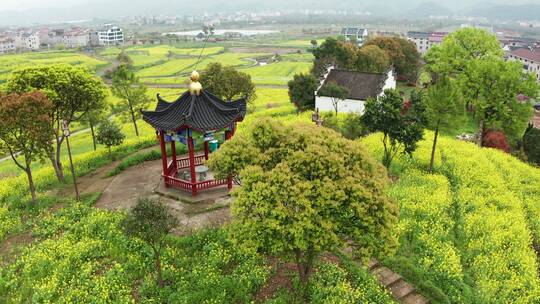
211	184
178	183
183	163
198	186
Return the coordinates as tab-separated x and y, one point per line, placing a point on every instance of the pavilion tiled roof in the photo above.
205	112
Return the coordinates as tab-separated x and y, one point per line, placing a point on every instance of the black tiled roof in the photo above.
361	85
205	112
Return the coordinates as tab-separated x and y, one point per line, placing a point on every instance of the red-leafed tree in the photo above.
25	128
495	139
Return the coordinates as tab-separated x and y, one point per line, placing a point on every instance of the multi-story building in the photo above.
424	41
354	33
27	41
7	45
109	35
75	39
529	57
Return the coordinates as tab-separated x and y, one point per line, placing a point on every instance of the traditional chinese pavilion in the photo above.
195	114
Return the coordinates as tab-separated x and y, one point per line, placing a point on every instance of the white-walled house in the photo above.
27	41
529	57
360	34
362	86
7	45
109	35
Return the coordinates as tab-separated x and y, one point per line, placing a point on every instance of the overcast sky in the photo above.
25	12
30	4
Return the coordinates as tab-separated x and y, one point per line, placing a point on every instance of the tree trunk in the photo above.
57	168
480	138
386	155
304	265
159	272
93	135
433	149
31	185
134	120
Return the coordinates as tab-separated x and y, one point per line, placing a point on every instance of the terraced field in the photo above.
277	73
11	62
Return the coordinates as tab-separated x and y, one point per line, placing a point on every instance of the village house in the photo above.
76	38
7	45
424	41
108	35
354	33
26	41
529	57
361	86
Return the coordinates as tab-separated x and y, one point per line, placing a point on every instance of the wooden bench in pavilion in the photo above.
195	111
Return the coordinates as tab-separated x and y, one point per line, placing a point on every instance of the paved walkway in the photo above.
402	291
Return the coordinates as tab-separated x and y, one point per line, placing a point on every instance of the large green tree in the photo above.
452	56
402	127
444	109
402	54
302	91
306	190
127	86
228	83
73	92
372	59
340	54
25	128
491	86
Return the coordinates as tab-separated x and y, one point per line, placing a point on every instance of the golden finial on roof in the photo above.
195	86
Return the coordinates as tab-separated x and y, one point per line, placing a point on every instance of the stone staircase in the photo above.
402	291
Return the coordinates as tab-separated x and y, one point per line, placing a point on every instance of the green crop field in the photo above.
277	73
11	62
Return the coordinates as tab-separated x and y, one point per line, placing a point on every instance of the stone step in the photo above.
373	264
385	276
400	289
414	298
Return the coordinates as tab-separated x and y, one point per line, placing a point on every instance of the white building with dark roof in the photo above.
361	86
350	33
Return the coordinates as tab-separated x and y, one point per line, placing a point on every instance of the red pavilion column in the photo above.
191	150
228	135
163	157
206	150
173	153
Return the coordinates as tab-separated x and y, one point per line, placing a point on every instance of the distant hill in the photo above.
431	8
506	12
104	9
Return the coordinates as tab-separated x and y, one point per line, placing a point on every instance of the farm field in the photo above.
11	62
277	73
455	224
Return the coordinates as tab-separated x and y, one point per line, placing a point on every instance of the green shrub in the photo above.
531	145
